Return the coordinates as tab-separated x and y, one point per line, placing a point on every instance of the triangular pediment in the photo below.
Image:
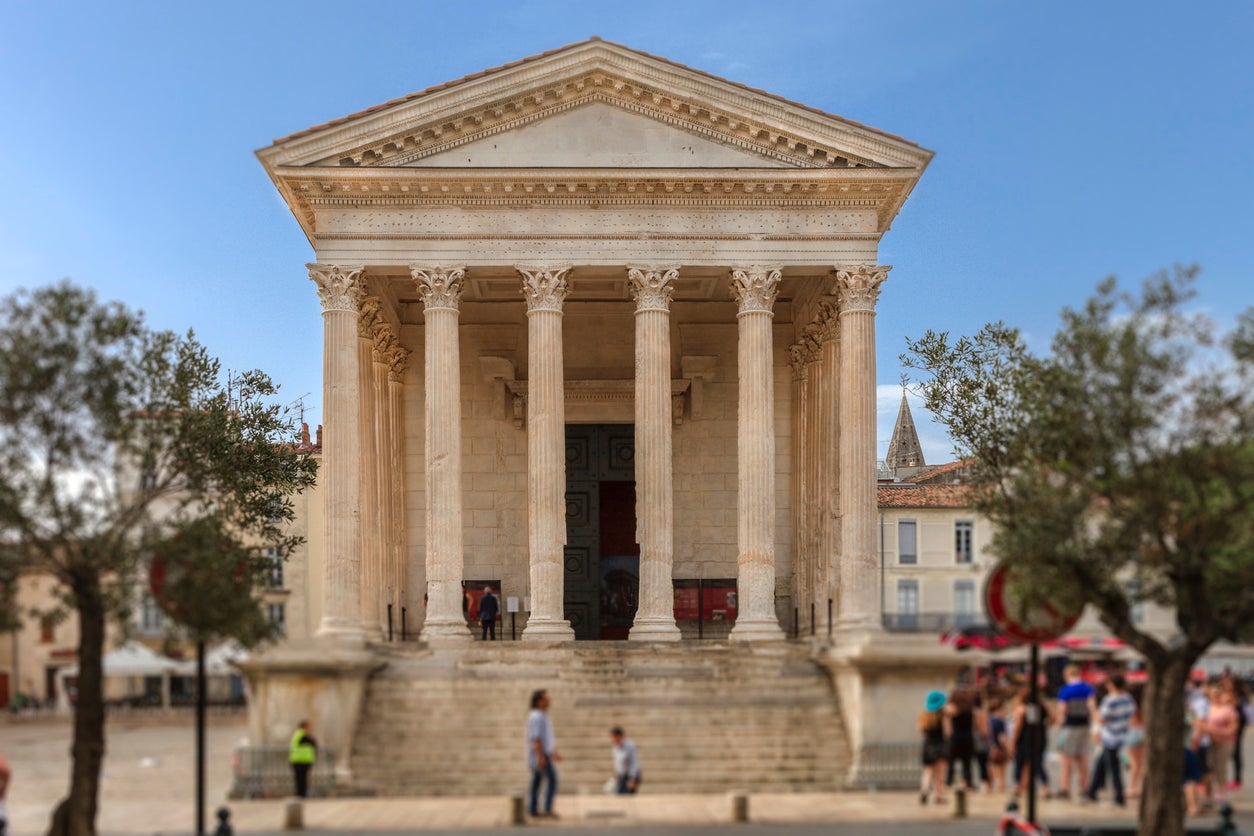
594	104
598	135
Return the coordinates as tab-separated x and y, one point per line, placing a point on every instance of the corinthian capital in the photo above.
382	341
439	287
755	288
827	323
397	358
858	288
797	359
544	288
339	288
652	287
368	316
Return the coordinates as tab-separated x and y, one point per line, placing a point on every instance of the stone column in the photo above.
655	512
545	290
398	362
339	289
827	460
384	339
858	288
800	486
441	291
371	546
755	289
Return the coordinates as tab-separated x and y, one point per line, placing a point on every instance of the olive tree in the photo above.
1117	469
111	435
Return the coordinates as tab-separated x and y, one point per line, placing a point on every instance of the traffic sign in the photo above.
1011	613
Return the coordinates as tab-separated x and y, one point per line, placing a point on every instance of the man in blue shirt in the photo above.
1075	716
541	755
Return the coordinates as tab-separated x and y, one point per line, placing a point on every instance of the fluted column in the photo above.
339	290
827	456
755	289
441	290
398	362
801	552
384	339
371	547
858	288
545	290
814	479
655	514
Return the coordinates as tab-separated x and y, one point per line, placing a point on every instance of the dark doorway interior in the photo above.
602	557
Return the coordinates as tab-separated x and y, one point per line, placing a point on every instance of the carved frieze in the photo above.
755	288
439	287
544	288
858	288
339	287
652	287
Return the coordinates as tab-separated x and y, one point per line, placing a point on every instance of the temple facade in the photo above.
596	325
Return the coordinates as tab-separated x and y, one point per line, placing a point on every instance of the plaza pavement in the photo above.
148	782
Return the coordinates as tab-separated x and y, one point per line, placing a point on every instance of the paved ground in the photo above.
148	783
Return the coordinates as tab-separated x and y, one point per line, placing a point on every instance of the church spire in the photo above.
904	449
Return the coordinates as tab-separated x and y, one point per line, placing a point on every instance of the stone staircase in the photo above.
707	717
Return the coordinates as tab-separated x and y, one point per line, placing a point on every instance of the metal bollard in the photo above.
739	806
1227	827
293	815
958	808
517	809
224	823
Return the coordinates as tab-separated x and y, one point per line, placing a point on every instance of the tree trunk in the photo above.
76	814
1162	802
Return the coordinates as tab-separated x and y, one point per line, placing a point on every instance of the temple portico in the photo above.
599	335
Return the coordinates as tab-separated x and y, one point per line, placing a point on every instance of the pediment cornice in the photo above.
442	118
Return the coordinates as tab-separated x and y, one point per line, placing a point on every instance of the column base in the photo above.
341	630
445	633
551	632
746	630
654	629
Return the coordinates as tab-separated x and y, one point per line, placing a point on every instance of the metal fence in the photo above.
929	622
264	772
889	766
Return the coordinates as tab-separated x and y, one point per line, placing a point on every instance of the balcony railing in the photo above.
929	622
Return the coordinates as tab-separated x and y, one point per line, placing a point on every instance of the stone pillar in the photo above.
384	339
339	289
858	288
545	290
655	512
755	289
827	461
441	291
398	362
371	528
801	554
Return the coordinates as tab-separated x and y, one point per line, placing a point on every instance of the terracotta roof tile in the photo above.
952	470
532	58
924	496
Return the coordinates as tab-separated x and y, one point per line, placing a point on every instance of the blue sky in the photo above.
1073	141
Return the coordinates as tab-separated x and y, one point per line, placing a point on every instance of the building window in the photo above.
277	613
907	604
47	629
963	530
274	575
907	542
964	603
151	618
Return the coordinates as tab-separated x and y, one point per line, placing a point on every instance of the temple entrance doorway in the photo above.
602	579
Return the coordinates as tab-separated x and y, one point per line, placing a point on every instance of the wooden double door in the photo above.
602	577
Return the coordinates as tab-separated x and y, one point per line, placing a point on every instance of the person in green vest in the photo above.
302	754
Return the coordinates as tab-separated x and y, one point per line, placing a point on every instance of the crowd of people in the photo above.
987	733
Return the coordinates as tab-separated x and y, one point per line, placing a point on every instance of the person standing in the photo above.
1222	725
6	773
1115	713
542	756
489	609
932	724
962	723
1075	715
626	762
302	753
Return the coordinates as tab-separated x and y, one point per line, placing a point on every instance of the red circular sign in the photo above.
1011	614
